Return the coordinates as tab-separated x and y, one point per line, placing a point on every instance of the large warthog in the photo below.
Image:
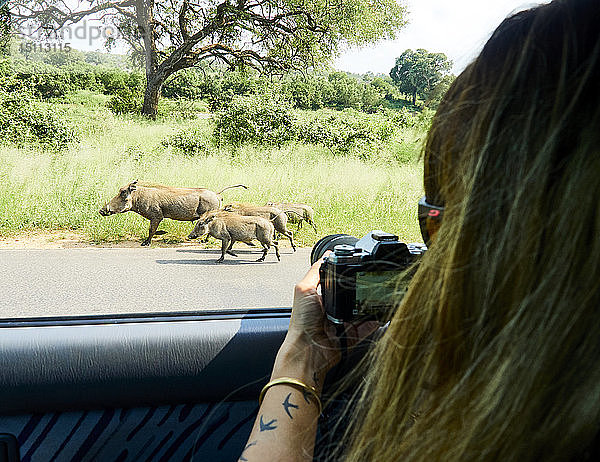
275	215
231	227
155	202
297	213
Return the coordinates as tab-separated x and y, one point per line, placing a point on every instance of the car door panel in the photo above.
172	387
213	431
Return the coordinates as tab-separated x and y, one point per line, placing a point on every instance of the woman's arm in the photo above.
286	424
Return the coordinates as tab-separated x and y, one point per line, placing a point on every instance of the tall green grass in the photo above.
44	190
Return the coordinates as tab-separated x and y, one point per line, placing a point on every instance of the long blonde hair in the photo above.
494	353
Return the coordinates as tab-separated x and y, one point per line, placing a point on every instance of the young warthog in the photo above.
156	202
231	227
277	216
297	213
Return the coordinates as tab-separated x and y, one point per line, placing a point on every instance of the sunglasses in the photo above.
430	219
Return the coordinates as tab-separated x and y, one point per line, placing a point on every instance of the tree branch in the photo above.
60	17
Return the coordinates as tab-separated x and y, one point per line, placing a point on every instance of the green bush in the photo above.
306	91
260	119
191	142
9	82
222	89
188	83
116	81
406	118
371	99
47	81
125	101
24	121
346	130
344	91
46	85
181	109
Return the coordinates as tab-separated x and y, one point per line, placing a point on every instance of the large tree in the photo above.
418	72
271	35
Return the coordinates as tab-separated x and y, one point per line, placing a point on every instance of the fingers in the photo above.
311	278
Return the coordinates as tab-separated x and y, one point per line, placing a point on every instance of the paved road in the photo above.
107	281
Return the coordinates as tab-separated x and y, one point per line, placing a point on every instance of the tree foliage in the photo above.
434	96
4	29
271	35
26	122
417	72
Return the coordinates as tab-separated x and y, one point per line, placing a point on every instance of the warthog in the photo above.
277	216
297	213
231	227
155	202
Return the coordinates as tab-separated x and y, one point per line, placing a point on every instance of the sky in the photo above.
457	28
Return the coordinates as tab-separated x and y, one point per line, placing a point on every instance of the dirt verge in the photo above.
67	239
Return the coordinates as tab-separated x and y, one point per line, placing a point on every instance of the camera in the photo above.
364	278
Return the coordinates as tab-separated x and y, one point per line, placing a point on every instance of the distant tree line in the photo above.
417	74
336	90
55	74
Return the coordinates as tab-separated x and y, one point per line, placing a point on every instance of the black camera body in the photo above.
364	278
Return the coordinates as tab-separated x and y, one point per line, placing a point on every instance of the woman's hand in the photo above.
311	347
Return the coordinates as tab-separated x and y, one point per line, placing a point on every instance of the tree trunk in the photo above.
414	97
154	78
151	96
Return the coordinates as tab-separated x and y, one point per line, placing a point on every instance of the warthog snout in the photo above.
199	230
104	211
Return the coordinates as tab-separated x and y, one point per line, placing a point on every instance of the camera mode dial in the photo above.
343	250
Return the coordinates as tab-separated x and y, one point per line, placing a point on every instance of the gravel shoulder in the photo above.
64	239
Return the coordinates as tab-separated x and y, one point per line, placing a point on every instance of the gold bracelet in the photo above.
293	383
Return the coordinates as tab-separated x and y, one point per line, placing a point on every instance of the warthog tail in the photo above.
234	186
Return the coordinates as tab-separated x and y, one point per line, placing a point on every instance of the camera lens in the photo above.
328	243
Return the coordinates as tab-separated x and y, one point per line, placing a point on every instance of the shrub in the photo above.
180	109
344	92
116	81
46	81
260	119
187	83
46	85
222	89
25	121
306	92
336	90
193	141
371	100
346	130
125	101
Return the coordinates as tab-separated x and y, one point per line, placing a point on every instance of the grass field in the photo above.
47	190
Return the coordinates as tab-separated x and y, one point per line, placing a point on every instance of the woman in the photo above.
493	354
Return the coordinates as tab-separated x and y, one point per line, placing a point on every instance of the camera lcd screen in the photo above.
378	291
